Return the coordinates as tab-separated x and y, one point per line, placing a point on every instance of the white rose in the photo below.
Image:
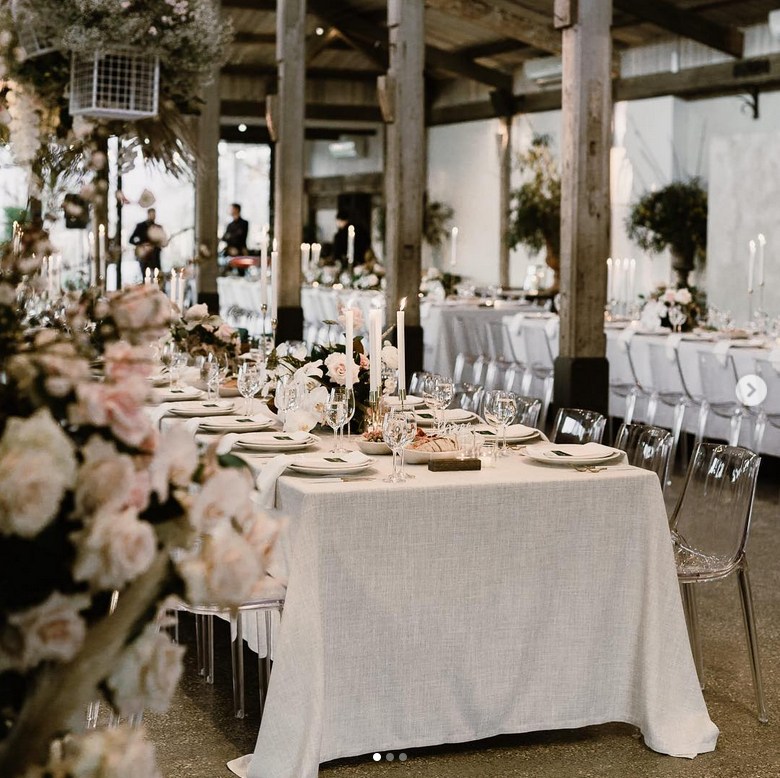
225	496
197	312
105	478
390	357
683	297
147	674
120	752
37	466
336	364
174	462
51	631
223	572
668	296
113	550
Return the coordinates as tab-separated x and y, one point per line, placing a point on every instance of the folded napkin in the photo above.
721	351
512	431
266	481
351	458
582	450
167	395
625	338
672	344
215	421
296	436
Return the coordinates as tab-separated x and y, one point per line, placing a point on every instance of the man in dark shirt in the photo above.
341	239
236	233
148	239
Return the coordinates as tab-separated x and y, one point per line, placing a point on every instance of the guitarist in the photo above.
149	239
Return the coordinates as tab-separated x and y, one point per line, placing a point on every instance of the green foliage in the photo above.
436	219
535	208
675	216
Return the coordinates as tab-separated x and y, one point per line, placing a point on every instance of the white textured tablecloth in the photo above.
463	605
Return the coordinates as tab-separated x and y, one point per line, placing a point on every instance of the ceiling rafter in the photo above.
687	23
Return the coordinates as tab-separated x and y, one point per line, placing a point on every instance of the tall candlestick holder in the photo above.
375	423
402	397
263	334
274	324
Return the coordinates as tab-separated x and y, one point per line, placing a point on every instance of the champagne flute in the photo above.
398	430
248	385
347	396
444	390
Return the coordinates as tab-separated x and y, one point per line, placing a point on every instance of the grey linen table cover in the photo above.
464	605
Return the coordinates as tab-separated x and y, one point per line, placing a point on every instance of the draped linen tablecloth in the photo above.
464	605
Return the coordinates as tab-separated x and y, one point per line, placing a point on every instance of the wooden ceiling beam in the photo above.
340	112
250	5
255	38
504	18
319	74
688	24
496	48
719	80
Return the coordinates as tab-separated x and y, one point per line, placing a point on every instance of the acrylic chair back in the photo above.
528	410
646	447
573	425
712	516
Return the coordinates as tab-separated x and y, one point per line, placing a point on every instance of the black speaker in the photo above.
76	212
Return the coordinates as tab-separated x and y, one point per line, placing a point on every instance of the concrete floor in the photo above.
199	734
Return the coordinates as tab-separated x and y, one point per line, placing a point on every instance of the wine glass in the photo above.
398	430
334	414
287	397
210	374
347	396
444	390
248	385
677	317
500	411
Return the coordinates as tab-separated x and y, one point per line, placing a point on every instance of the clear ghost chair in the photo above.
466	396
719	387
710	528
415	385
528	411
769	410
573	425
646	447
540	364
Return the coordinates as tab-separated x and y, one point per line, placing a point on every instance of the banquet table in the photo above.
659	373
462	605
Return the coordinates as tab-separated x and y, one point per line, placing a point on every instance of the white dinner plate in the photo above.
393	401
332	464
276	441
515	433
573	454
236	424
175	395
203	408
451	416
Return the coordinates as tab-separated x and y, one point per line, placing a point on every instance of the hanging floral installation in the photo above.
187	37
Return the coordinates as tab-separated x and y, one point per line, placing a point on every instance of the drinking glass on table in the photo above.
334	413
437	391
399	429
677	317
248	384
177	361
500	411
347	396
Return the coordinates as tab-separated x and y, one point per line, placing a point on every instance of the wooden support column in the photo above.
207	197
405	169
581	370
288	184
505	183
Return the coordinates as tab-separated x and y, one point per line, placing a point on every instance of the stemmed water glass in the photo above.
335	413
287	395
347	396
177	360
437	391
399	428
249	380
677	317
500	411
213	370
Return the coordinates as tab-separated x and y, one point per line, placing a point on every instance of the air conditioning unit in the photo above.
348	148
544	71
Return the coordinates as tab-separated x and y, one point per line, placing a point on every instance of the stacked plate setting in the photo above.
280	442
567	454
235	424
331	464
203	408
515	433
451	416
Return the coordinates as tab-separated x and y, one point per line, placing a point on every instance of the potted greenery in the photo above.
535	208
673	217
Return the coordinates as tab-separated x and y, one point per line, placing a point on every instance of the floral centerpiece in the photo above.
439	283
199	333
689	300
93	503
673	217
535	207
324	369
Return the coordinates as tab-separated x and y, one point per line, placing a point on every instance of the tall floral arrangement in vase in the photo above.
99	509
